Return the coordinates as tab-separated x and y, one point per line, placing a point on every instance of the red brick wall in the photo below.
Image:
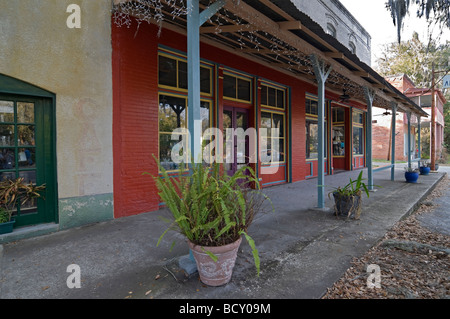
135	120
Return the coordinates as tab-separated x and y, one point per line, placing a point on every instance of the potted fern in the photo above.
13	191
348	199
213	211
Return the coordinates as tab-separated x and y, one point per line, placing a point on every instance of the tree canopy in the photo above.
437	12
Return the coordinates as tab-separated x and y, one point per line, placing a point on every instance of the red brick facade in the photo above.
135	126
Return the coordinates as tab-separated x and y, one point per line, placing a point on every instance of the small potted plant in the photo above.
347	199
411	174
13	191
213	211
424	168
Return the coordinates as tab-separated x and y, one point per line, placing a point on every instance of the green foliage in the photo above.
354	187
209	207
4	216
13	191
436	12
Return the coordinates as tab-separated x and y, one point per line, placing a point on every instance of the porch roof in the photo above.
277	34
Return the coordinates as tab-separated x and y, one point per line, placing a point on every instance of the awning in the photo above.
278	35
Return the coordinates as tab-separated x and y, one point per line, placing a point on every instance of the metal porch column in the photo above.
393	130
370	95
408	115
194	20
321	75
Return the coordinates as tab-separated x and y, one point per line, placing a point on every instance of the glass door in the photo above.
25	152
236	147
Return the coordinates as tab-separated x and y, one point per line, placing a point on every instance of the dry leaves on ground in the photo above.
421	273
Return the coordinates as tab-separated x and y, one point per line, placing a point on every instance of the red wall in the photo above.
135	106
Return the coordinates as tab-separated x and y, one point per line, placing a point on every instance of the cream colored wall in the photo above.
36	46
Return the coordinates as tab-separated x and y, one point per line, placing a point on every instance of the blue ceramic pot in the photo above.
411	177
424	170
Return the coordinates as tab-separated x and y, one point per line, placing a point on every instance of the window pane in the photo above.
272	96
7	175
7	159
338	141
280	99
266	120
308	106
263	95
25	112
167	71
6	111
166	145
244	90
358	140
182	75
205	80
7	135
338	114
312	131
314	108
172	113
27	157
205	115
25	134
229	86
357	117
278	123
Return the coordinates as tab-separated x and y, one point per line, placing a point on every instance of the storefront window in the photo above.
275	145
338	141
358	133
358	141
312	139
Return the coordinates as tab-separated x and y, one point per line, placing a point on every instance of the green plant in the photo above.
352	188
411	169
4	216
13	191
209	207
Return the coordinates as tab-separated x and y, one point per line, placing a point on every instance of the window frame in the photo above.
238	77
358	125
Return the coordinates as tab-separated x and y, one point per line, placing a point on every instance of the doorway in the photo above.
235	146
27	151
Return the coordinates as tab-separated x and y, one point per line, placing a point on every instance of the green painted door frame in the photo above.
44	158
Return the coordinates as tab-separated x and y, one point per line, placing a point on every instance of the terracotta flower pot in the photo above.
215	273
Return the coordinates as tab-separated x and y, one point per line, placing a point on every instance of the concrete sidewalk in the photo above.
303	251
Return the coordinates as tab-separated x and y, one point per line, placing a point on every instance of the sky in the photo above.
376	19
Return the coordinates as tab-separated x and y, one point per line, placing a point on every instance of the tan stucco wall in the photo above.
36	46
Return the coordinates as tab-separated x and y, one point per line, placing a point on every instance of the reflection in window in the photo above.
273	97
237	88
274	151
312	107
6	111
312	139
172	115
174	73
358	141
338	140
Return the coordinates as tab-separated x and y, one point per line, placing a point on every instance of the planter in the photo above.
6	228
411	177
424	170
215	273
347	205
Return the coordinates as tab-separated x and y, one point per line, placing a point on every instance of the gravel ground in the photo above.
411	270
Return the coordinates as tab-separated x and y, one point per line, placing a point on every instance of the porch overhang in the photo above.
277	34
